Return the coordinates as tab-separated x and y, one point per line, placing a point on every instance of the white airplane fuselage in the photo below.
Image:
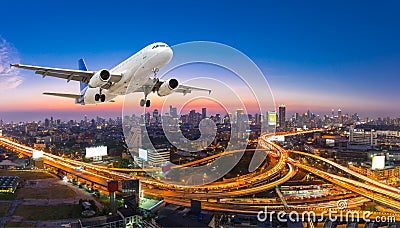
135	72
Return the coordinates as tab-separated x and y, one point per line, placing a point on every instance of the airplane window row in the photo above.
159	45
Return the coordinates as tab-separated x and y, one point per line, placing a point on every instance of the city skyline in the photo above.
40	117
319	62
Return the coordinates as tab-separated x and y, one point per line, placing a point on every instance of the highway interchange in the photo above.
221	195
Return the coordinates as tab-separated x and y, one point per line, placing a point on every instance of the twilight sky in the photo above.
315	55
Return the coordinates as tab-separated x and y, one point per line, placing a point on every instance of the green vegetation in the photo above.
3	208
20	224
123	163
48	212
8	196
148	196
53	192
147	204
371	208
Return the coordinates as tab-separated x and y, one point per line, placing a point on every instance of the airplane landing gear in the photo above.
100	97
145	102
155	71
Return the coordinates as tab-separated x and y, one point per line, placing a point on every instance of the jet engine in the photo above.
167	87
100	78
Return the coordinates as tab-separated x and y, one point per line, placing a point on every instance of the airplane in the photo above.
130	76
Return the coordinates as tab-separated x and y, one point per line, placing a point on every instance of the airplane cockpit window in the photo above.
159	45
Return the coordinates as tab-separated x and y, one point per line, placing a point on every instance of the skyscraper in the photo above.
257	119
282	116
271	115
340	117
192	117
203	113
173	112
155	116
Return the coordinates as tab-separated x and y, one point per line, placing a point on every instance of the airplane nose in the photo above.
167	53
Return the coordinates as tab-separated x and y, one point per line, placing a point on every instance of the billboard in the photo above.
378	162
167	167
36	154
143	154
272	118
330	142
131	186
96	151
195	206
278	138
112	186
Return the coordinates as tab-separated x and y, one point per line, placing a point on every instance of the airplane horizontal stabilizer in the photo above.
73	96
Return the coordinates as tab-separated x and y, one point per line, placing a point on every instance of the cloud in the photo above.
9	77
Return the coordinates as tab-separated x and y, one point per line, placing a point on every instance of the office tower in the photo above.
282	116
173	112
218	118
147	118
46	123
257	119
155	116
340	117
203	113
271	115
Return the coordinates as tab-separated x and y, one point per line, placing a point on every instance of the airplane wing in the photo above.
185	89
188	89
75	75
75	96
67	95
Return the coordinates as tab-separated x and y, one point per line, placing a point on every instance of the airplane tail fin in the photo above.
82	66
82	86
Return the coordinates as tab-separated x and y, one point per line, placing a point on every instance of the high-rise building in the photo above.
340	117
158	158
271	115
282	116
147	118
242	123
173	112
218	118
155	116
361	139
203	113
192	117
257	120
46	123
240	116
